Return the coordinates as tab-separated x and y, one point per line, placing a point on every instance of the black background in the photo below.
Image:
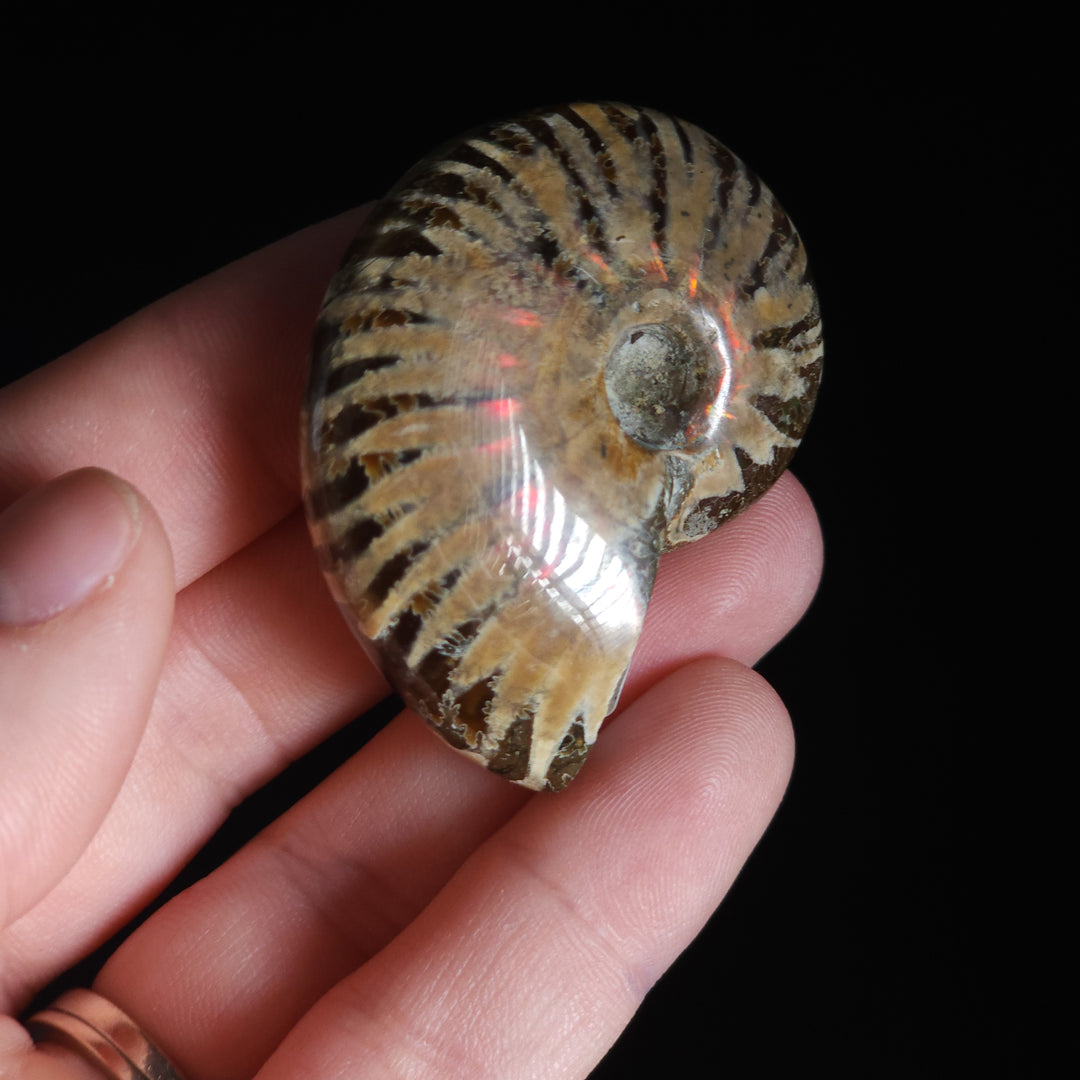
146	153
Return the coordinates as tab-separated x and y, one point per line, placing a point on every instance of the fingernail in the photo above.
62	542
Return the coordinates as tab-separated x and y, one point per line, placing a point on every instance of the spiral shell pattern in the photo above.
560	346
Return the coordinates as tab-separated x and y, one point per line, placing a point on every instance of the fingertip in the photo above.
736	592
63	541
713	716
802	546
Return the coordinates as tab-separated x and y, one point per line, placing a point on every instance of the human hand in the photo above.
414	915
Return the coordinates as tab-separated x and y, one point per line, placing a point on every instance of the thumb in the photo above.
86	596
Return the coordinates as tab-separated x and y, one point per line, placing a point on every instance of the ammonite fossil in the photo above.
558	347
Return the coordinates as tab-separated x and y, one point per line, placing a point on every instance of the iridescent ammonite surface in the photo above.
559	347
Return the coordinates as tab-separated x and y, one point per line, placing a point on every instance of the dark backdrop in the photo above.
146	154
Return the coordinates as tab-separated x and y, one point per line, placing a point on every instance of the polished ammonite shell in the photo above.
560	346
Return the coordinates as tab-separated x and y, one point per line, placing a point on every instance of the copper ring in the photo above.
103	1035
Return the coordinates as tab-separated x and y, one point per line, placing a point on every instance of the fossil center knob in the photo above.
664	382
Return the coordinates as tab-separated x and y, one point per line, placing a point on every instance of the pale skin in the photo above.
167	646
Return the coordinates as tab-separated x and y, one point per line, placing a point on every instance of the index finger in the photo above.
195	400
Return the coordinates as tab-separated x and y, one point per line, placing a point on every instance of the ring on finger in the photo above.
102	1034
